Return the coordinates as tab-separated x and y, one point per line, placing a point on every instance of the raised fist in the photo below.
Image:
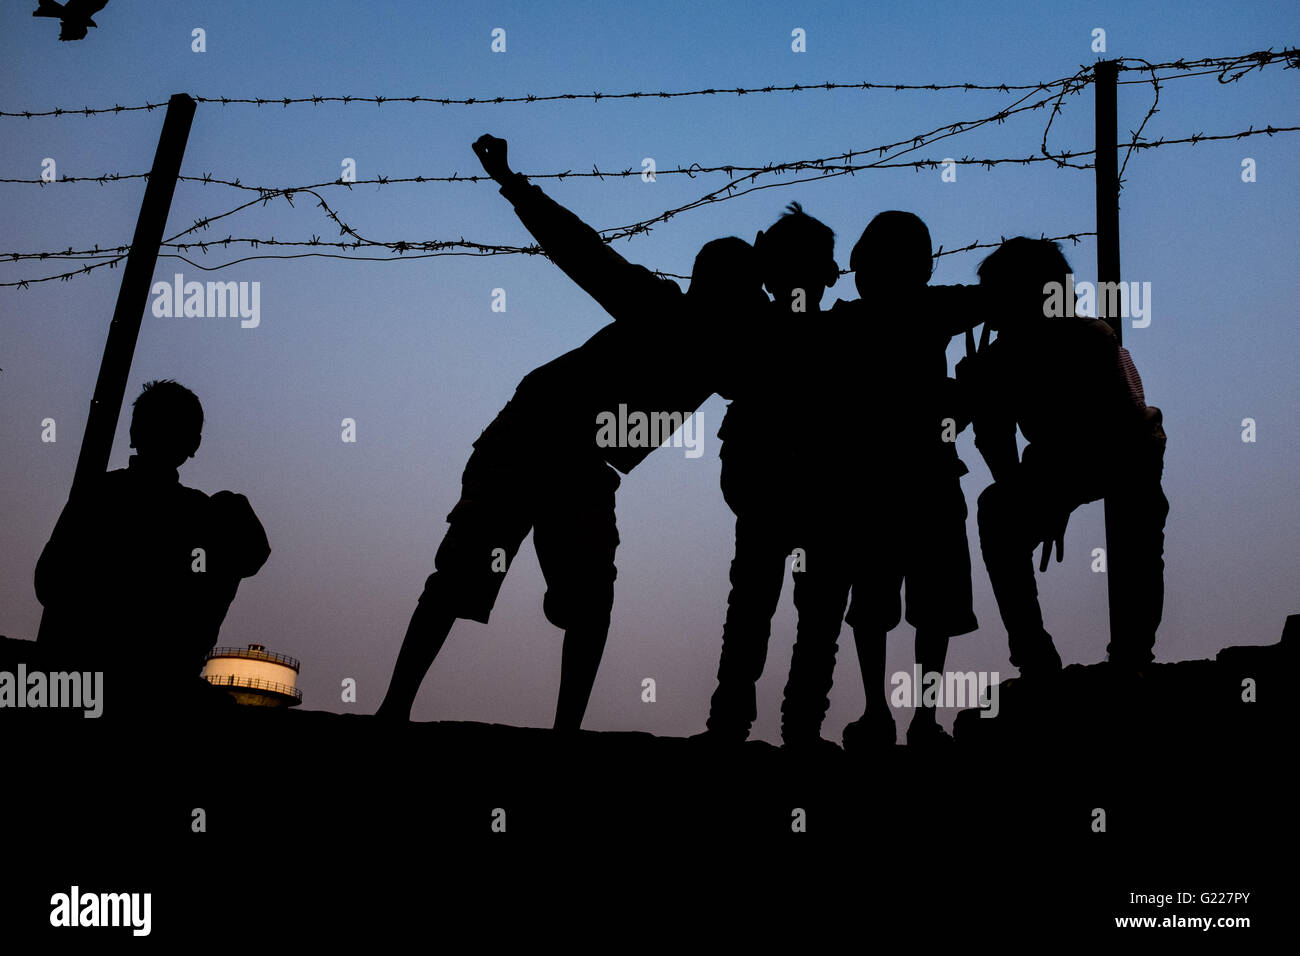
491	152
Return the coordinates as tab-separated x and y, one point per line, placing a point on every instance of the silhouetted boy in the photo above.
542	463
764	482
898	509
140	570
1078	402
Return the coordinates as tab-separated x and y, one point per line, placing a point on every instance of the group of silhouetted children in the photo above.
864	507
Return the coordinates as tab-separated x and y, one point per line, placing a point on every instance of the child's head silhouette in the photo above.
1015	274
725	276
797	252
166	423
893	253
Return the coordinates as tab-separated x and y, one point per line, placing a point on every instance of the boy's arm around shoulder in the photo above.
957	308
980	397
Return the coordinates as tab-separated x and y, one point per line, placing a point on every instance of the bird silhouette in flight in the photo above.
74	16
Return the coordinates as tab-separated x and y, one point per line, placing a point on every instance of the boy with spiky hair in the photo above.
765	487
140	570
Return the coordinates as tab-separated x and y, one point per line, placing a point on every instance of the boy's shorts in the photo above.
919	539
566	499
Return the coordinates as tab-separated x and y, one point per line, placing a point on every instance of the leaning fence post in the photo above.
1105	75
133	295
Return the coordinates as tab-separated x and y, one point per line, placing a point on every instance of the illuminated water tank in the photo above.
254	676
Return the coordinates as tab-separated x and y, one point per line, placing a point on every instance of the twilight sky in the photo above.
414	353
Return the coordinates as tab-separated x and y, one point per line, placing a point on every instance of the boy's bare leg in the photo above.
584	644
871	647
931	654
425	636
876	726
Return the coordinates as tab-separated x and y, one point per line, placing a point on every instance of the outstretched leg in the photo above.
583	646
424	638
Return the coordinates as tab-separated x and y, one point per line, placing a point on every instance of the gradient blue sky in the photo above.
413	352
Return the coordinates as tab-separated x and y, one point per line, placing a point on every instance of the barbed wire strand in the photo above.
695	169
1074	237
482	251
1223	65
286	101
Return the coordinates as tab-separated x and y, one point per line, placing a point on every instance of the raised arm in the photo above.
622	288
